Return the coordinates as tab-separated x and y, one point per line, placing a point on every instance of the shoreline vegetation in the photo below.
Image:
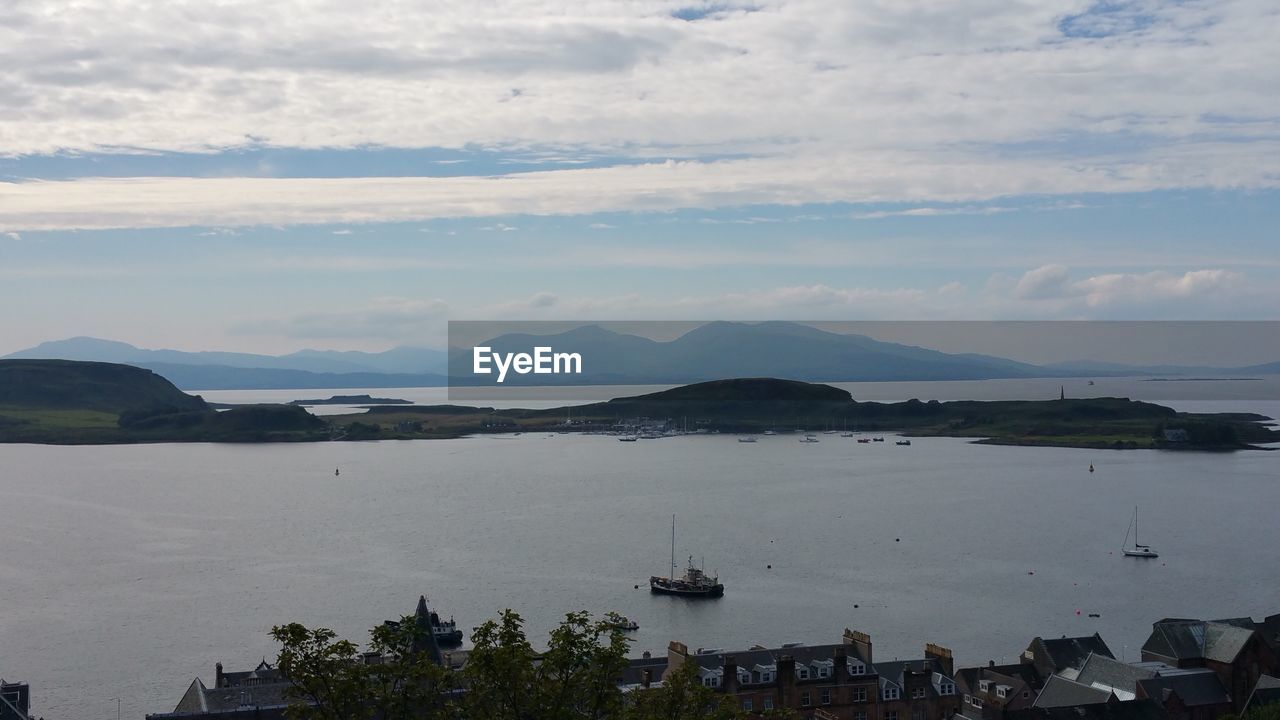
77	403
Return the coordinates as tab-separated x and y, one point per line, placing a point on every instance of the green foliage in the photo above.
1266	712
505	678
575	677
333	681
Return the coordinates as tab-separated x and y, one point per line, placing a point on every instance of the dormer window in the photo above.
711	681
984	685
857	668
946	688
802	672
890	692
1002	691
917	693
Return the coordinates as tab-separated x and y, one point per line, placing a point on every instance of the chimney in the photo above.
677	653
840	664
861	643
943	656
217	675
786	674
646	678
730	680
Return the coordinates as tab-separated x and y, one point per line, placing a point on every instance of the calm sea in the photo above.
127	571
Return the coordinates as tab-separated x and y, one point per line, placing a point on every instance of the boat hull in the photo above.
1141	553
449	639
659	588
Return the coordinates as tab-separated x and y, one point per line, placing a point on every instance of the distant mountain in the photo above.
305	369
725	350
221	377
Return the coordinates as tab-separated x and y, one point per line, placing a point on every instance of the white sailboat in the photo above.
1138	549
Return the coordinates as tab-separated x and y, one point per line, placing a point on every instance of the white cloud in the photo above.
859	178
13	236
1053	283
911	101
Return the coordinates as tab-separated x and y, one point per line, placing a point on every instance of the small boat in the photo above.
1090	467
1138	550
864	440
846	434
693	584
620	622
628	438
904	441
336	473
769	432
877	439
809	439
1090	382
747	439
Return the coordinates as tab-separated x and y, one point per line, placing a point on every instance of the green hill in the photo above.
103	387
72	402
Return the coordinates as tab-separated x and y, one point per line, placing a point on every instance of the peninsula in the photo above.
68	402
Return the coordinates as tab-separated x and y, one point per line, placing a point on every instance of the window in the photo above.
859	694
805	700
946	689
1002	691
917	715
824	671
746	704
968	699
766	676
711	681
890	693
825	696
917	693
891	715
860	715
802	673
1026	693
857	668
768	702
984	685
976	701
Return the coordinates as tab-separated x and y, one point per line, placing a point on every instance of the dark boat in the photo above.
694	584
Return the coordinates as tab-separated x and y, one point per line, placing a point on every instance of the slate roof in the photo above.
1136	710
1193	639
1061	692
802	654
1072	652
896	670
1267	691
1102	670
201	699
1195	688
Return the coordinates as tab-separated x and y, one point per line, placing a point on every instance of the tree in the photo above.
682	697
332	680
576	677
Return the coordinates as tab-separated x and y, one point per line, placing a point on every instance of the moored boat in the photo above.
693	584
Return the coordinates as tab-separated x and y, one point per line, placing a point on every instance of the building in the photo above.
1234	650
993	691
1266	692
833	682
15	701
1063	656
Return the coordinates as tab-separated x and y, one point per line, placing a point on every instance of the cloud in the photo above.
1053	283
931	212
872	177
13	236
906	102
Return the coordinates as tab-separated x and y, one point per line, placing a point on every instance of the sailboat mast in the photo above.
673	545
1135	526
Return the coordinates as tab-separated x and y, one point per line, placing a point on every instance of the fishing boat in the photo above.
694	584
903	441
1138	550
617	621
846	434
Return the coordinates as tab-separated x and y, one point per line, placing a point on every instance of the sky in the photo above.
264	177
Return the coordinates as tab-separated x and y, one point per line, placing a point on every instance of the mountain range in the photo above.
709	352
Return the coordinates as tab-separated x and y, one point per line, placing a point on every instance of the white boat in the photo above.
846	434
1138	550
748	438
809	439
617	621
770	432
903	442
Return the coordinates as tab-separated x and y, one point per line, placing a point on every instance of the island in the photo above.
66	402
352	400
